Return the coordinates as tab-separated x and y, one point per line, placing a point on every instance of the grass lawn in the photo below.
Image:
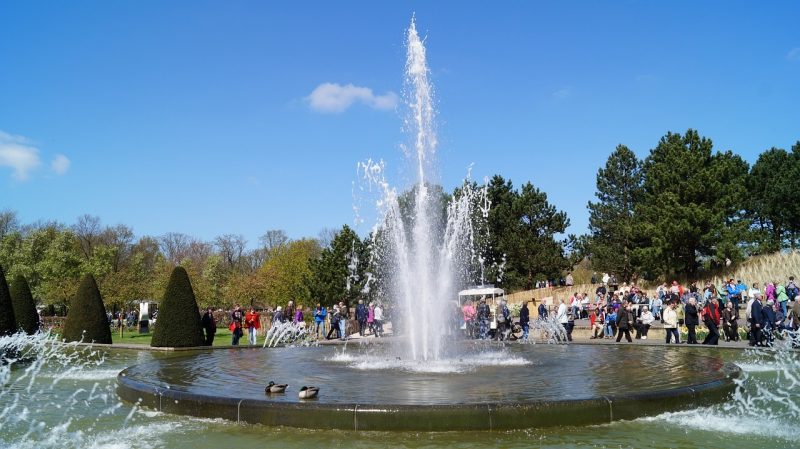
222	338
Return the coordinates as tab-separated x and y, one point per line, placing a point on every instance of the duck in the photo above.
275	388
308	392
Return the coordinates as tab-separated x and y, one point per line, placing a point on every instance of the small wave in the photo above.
99	374
758	368
706	418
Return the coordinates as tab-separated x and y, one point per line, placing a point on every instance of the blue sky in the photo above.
197	116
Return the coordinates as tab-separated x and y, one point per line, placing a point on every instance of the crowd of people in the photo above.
324	323
616	312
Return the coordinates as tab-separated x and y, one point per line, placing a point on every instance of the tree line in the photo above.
338	265
686	209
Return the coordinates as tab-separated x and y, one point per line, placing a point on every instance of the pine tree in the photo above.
8	324
611	219
178	323
24	307
692	207
87	320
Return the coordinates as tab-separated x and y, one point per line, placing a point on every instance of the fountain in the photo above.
428	381
69	395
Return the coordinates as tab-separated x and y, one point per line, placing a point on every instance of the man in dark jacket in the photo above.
768	323
361	316
209	326
624	322
524	319
756	326
691	319
483	313
542	311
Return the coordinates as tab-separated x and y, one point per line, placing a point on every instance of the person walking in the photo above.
524	319
782	298
288	312
624	322
209	326
692	320
237	316
344	314
378	320
756	322
542	311
503	317
334	317
320	313
252	322
671	322
563	319
361	316
711	318
371	318
483	319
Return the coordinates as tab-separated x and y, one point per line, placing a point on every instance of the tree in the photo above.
772	186
340	273
231	248
179	317
691	211
531	247
285	276
87	320
9	222
8	324
274	238
88	230
24	307
611	219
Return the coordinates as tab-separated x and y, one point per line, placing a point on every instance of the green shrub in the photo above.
8	324
24	307
178	323
86	319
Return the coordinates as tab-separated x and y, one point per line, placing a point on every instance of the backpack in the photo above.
791	290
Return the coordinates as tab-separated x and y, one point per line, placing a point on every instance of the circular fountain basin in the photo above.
484	388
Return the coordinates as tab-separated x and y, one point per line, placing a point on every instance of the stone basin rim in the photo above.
465	416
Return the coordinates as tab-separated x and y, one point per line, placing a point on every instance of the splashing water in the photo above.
427	246
289	334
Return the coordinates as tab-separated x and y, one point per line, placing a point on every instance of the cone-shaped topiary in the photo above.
8	325
86	319
24	308
178	322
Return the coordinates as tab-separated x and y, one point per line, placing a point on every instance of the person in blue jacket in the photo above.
319	318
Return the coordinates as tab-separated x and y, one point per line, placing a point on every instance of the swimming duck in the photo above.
308	392
274	388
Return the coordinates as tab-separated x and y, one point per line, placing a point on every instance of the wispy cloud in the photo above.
60	164
794	54
336	98
18	153
564	92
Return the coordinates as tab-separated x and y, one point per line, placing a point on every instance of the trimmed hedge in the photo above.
86	319
24	307
8	324
178	323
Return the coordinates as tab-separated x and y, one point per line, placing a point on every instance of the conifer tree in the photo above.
87	320
178	323
24	307
8	324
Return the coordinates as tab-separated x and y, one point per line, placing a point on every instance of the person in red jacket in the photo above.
252	321
711	318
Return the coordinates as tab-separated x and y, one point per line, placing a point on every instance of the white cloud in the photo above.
18	153
562	93
60	164
335	98
794	54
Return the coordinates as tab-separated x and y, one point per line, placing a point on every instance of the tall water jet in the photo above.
424	244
